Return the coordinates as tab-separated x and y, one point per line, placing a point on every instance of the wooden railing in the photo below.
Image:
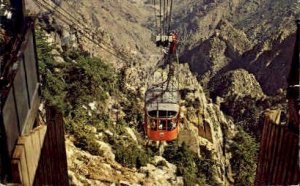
40	157
26	156
278	162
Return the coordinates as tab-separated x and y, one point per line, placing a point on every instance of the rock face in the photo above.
270	63
113	31
202	130
161	173
216	36
86	169
205	125
237	82
219	53
240	35
198	19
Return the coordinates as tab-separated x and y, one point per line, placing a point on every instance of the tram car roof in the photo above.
157	98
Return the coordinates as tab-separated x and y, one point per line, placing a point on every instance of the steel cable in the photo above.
85	33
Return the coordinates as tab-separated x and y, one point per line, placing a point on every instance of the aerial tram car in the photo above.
162	109
162	113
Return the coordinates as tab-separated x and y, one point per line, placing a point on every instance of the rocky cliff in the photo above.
239	34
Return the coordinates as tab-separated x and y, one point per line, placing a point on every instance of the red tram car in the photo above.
162	114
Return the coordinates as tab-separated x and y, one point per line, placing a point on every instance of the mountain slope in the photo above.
254	35
224	48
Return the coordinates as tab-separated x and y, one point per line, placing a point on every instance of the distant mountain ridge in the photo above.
255	35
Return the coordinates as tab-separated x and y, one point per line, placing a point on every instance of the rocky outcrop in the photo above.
221	52
230	35
161	172
198	19
243	31
205	129
236	83
208	58
224	52
270	62
96	27
205	125
86	169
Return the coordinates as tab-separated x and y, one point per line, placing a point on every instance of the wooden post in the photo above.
18	15
53	168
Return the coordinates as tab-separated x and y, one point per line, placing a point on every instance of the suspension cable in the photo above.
164	15
79	23
170	17
160	16
165	10
155	14
167	16
85	33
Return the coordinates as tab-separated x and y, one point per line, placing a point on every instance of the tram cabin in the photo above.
162	114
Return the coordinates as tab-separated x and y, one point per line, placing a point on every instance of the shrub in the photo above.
193	169
53	89
162	163
84	139
244	157
87	142
100	73
133	110
83	79
246	111
131	155
71	85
